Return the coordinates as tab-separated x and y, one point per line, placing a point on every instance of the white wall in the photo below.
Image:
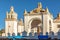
20	29
55	28
12	28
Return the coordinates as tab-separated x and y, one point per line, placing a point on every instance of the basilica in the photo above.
38	21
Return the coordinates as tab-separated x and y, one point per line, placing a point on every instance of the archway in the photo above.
37	23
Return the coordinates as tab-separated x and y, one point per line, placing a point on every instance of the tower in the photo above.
20	27
11	22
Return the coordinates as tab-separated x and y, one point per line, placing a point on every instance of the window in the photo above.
58	26
49	23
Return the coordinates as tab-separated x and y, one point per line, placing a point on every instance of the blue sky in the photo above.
20	5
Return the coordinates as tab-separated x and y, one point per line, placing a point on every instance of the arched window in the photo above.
11	16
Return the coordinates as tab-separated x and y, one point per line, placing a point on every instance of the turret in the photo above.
47	10
31	12
12	13
25	12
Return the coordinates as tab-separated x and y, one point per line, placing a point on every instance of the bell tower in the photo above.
11	22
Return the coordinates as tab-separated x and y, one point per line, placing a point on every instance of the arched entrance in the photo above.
37	23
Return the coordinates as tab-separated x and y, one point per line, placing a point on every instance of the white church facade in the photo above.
36	21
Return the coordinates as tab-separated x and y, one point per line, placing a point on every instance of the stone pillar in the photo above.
44	24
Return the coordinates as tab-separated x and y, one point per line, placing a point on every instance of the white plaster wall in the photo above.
46	19
12	28
55	28
15	28
3	34
49	18
6	28
45	24
20	29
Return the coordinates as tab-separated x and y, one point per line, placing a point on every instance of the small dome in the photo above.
21	22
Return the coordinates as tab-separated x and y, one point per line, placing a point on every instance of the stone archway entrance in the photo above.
36	23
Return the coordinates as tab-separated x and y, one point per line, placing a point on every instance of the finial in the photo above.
12	8
39	5
25	12
47	9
